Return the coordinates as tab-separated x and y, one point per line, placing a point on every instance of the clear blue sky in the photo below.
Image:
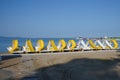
59	18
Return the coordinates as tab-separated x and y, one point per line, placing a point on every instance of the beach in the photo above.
82	65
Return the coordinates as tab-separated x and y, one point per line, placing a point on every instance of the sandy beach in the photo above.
83	65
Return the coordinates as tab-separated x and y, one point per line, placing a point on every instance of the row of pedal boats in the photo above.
63	46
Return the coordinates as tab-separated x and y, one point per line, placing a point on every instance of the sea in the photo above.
7	41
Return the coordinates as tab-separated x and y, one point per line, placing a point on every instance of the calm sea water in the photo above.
6	42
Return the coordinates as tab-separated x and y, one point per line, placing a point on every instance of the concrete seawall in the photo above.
56	66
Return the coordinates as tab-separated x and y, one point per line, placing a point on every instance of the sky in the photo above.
59	18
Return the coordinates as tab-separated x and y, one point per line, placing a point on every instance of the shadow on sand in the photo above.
6	57
80	69
118	50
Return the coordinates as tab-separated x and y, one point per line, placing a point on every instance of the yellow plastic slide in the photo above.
93	46
29	47
52	46
14	46
73	44
40	45
116	45
61	45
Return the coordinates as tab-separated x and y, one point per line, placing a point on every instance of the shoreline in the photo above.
63	52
